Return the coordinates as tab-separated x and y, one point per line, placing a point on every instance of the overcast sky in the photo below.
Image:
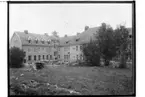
66	18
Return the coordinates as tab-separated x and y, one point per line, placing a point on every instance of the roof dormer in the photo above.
36	40
29	39
42	40
77	39
67	42
48	41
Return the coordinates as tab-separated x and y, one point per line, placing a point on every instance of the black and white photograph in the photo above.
71	48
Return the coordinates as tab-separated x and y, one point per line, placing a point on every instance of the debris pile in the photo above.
32	87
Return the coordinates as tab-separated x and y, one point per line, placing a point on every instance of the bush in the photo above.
39	65
16	57
92	56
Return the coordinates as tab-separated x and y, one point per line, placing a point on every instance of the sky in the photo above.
66	18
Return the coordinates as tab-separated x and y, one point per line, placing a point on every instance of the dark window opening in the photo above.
29	58
43	57
39	57
29	41
47	57
50	57
35	57
24	60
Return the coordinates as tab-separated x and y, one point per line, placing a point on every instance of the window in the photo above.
77	39
43	57
36	40
24	60
55	53
76	48
47	57
29	58
35	57
39	57
42	41
50	57
48	42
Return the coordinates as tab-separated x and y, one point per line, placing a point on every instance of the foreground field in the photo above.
53	80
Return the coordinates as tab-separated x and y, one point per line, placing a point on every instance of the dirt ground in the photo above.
54	80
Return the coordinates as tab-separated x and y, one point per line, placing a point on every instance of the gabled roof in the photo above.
82	38
24	38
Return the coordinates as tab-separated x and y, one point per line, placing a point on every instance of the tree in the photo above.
122	44
16	57
91	53
106	43
54	33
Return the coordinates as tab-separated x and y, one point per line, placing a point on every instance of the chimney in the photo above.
26	31
86	28
65	36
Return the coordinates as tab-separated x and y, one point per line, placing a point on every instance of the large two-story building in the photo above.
37	47
50	48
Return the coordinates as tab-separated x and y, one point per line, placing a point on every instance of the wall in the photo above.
74	52
15	41
39	50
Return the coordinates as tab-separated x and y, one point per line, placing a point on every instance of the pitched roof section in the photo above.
81	38
24	38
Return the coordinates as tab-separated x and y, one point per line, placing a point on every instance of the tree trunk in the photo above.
123	60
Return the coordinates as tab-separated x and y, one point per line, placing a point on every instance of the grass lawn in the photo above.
85	80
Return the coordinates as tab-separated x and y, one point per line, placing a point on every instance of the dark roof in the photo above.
24	38
82	38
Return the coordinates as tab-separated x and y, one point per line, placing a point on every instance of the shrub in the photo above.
16	57
39	65
92	56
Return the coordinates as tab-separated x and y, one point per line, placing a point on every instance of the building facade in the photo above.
50	48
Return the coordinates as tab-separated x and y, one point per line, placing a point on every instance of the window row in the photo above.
79	57
40	57
43	41
77	48
66	57
36	49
